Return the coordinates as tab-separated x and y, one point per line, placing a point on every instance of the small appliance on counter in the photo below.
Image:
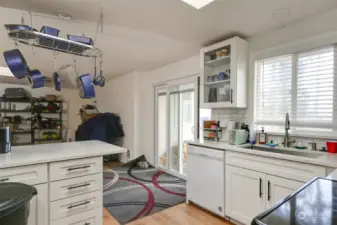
237	137
238	133
5	140
212	130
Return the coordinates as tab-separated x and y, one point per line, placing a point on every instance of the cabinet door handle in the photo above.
77	205
231	96
87	223
268	190
260	188
78	168
4	179
78	186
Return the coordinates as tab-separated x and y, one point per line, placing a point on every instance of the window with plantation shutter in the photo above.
273	88
315	86
303	84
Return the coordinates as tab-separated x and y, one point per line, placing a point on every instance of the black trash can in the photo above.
14	203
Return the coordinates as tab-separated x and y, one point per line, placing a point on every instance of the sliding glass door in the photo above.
176	121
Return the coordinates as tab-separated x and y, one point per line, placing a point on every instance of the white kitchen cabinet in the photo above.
249	193
245	193
224	77
39	206
206	179
279	188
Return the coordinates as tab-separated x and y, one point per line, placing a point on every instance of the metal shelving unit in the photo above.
48	139
59	120
4	112
14	111
32	114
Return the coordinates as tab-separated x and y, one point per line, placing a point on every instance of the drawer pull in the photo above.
78	205
78	168
78	186
4	179
87	223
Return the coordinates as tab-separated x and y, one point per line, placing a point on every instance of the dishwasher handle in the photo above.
205	156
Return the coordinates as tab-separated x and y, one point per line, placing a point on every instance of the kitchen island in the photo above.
68	178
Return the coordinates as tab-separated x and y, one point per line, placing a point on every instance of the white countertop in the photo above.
34	154
324	159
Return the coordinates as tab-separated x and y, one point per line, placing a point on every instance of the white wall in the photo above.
120	96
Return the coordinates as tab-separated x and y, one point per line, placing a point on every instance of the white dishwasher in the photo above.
206	178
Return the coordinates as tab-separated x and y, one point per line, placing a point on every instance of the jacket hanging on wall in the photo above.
105	127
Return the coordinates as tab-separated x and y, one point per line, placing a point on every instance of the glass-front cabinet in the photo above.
224	74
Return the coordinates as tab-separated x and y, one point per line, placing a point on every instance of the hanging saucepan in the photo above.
56	81
50	31
86	86
11	27
81	39
36	79
99	80
16	63
15	27
68	75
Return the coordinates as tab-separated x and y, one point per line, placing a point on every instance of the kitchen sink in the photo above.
283	151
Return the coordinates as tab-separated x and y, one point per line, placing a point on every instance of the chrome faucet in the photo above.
287	141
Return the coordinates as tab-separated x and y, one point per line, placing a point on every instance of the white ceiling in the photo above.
146	34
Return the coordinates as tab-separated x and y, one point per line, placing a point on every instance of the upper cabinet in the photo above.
224	74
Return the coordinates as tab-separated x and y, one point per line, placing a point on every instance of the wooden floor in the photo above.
184	214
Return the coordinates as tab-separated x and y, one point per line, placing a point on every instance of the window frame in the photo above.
302	46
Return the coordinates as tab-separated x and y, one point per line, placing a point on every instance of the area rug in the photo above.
131	193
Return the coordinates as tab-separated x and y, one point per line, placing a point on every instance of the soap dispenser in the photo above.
262	137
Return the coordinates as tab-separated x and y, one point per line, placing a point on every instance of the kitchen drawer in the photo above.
74	205
92	217
75	168
75	186
31	175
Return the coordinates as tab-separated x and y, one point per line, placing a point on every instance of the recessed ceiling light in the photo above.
198	3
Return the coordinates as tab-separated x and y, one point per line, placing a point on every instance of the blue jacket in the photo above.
105	127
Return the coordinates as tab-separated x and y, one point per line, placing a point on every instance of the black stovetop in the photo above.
313	204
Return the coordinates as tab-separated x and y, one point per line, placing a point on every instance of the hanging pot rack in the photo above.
49	40
41	40
57	44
